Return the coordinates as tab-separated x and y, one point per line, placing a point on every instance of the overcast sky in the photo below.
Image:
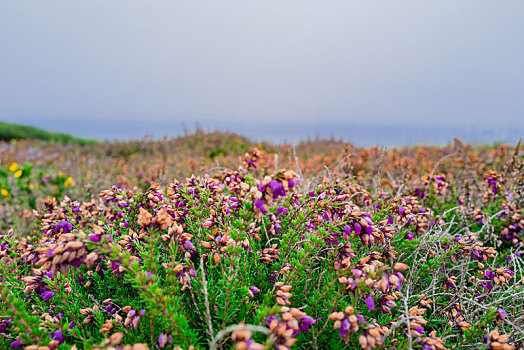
120	68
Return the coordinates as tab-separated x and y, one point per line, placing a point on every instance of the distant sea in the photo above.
283	132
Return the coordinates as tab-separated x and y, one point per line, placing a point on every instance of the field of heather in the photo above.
211	241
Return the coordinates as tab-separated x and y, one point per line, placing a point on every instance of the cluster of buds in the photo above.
347	322
431	342
271	188
128	241
242	340
163	219
343	257
477	215
496	341
108	325
409	212
36	283
286	325
282	293
514	225
219	244
475	248
498	276
387	302
360	224
253	231
254	158
274	226
111	307
229	203
183	242
133	317
416	321
88	313
164	340
144	218
68	250
270	254
494	181
456	319
183	272
235	181
439	183
370	272
392	278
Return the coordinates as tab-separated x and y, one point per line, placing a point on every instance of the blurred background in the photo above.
368	72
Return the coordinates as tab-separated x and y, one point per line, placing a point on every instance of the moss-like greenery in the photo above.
10	131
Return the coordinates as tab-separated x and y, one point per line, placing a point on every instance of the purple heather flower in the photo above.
391	220
50	252
16	344
291	183
357	228
48	295
344	329
361	319
306	322
370	302
419	330
277	188
58	336
410	236
347	229
94	238
502	313
162	340
254	289
401	210
260	205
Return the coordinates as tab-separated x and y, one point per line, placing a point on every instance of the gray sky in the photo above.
120	68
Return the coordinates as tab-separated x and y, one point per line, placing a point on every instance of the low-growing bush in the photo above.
259	258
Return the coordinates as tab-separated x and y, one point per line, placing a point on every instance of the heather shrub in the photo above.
364	254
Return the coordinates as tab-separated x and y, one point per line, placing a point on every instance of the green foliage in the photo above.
9	131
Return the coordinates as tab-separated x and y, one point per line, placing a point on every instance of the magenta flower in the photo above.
370	302
48	295
94	238
16	344
260	205
306	322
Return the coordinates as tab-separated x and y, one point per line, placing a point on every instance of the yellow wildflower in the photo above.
66	183
13	167
70	180
32	186
4	192
18	173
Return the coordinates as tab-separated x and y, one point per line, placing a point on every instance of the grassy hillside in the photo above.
9	131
